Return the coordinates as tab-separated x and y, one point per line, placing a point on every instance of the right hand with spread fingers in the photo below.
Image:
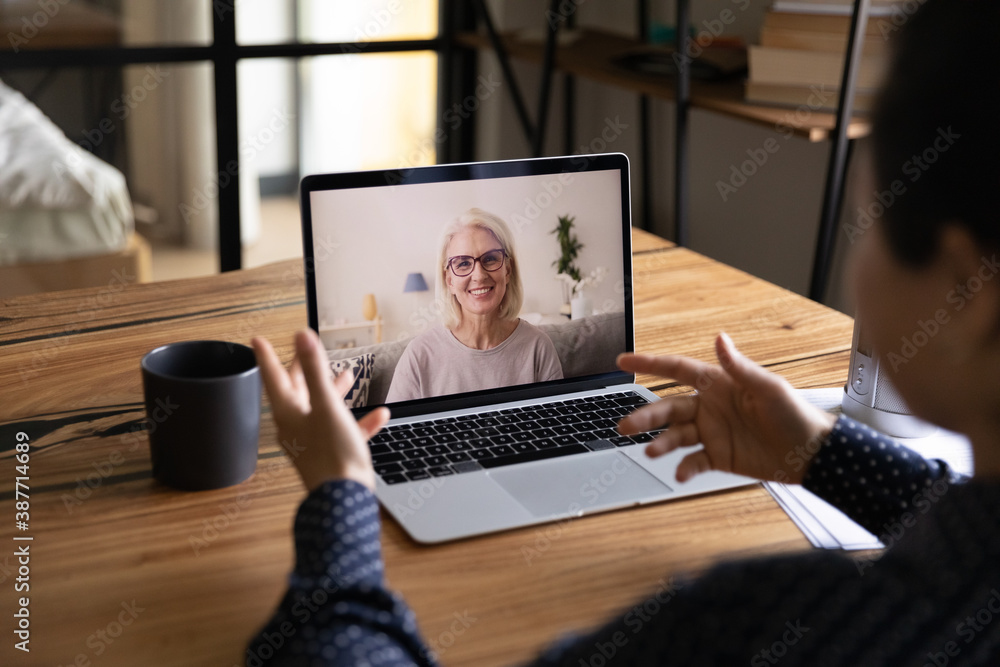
748	420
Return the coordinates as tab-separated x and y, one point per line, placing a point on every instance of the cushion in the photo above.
590	345
361	367
382	369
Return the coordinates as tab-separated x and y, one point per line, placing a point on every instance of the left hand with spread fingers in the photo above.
315	426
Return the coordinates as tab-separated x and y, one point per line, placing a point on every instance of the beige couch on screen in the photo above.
585	347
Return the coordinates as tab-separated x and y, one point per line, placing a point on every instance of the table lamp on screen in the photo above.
415	283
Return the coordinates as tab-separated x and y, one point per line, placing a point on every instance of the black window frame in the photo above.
224	53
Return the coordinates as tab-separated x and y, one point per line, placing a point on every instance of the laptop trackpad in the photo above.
578	484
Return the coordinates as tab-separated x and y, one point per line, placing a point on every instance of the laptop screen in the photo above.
471	281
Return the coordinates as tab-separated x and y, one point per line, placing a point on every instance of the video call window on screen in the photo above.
414	280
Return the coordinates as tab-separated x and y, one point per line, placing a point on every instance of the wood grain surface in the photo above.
124	571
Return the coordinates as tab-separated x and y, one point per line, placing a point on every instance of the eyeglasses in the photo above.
463	265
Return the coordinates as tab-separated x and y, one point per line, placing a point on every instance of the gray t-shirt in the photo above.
435	363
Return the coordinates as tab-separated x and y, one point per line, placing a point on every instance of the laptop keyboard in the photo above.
455	445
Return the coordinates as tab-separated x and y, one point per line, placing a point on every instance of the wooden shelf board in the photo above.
592	55
347	326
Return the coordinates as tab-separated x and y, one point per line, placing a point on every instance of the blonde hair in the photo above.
510	306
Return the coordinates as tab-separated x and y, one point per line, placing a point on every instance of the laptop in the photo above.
520	433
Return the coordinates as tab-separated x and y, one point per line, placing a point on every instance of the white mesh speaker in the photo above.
870	398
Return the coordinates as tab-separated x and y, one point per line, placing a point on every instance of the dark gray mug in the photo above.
203	413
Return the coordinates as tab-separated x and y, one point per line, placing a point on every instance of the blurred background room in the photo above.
114	115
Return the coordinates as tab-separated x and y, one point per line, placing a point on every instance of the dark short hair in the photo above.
940	102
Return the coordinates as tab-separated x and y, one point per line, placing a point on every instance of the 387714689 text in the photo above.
22	551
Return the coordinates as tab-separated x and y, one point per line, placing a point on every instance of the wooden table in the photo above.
126	572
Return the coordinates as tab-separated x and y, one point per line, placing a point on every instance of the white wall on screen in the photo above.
369	239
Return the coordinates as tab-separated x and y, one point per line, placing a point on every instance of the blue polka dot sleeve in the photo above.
337	610
874	479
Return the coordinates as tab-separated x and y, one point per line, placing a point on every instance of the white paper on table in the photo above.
827	527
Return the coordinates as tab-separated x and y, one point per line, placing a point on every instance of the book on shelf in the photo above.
803	45
814	98
815	40
795	67
811	22
836	7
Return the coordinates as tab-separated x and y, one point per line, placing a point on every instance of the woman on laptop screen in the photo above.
482	343
931	599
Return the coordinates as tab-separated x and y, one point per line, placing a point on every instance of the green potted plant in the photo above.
569	249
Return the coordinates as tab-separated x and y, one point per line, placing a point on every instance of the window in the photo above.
321	86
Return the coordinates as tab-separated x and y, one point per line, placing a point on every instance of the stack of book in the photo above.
800	60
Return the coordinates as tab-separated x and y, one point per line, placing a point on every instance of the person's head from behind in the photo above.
478	271
927	283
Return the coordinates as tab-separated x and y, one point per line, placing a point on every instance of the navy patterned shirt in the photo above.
932	598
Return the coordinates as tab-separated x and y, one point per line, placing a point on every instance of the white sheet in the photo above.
57	201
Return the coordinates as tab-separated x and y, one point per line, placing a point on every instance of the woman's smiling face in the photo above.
481	292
